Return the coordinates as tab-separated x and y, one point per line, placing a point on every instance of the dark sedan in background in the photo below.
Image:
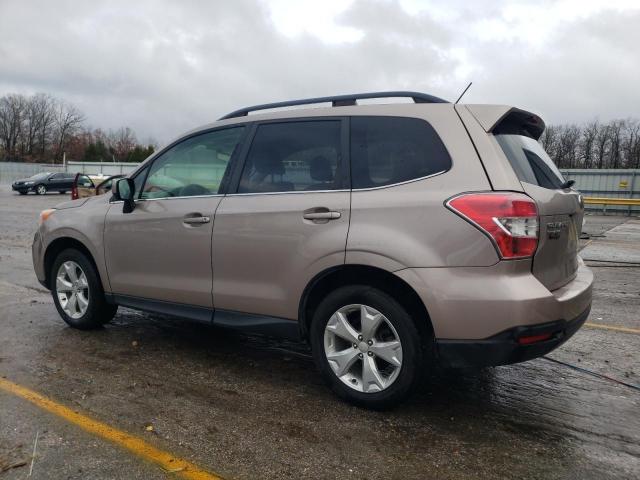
42	183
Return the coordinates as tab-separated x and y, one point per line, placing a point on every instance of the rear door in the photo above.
67	180
288	219
60	181
561	209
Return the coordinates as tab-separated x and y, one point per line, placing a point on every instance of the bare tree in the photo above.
68	120
12	109
39	120
122	143
615	135
631	143
41	128
568	140
549	140
587	144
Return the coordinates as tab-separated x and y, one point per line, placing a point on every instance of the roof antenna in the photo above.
463	92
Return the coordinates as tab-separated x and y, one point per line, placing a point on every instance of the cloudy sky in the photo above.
163	67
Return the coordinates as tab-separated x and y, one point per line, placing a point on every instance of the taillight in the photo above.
509	219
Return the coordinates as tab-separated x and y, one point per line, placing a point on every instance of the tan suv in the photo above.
390	237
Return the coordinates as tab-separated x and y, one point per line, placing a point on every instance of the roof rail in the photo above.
338	101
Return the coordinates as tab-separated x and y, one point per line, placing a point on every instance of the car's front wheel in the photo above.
77	291
41	189
366	346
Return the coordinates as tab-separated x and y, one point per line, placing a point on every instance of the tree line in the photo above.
43	128
594	144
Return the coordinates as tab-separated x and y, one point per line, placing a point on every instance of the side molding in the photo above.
272	326
246	322
200	314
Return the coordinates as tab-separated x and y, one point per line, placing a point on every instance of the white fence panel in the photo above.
12	171
106	168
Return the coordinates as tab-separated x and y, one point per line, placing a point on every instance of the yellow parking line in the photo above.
613	327
166	461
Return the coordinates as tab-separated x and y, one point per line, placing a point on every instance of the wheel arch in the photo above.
57	246
353	274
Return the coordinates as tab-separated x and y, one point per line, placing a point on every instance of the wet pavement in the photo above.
249	407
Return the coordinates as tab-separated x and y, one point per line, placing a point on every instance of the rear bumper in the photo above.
478	303
503	348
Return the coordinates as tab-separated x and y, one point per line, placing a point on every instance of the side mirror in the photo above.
125	191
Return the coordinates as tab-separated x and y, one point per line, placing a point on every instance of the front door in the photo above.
287	221
162	250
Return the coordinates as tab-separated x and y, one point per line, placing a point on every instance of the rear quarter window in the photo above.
389	150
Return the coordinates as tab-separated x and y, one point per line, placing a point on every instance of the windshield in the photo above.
39	176
530	162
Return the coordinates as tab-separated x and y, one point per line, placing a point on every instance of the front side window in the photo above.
530	161
195	166
293	156
389	150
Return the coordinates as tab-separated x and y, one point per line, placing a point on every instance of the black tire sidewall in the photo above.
405	327
96	314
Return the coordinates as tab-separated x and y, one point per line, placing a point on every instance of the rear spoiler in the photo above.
508	120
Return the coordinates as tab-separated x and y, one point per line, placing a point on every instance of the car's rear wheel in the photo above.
62	192
366	346
41	189
22	193
77	292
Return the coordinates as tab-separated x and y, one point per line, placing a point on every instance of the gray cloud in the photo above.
165	67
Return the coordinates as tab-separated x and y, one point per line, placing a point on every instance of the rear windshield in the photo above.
530	162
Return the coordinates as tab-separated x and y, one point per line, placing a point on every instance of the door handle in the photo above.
196	220
321	215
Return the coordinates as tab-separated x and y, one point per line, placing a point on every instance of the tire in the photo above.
22	193
397	324
41	189
62	192
86	288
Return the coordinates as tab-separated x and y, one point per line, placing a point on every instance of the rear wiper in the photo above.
568	184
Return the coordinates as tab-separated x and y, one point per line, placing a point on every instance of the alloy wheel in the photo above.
72	289
363	348
41	190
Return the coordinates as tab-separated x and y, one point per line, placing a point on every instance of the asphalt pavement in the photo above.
245	407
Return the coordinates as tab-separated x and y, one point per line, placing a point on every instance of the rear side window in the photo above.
530	162
293	156
388	150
